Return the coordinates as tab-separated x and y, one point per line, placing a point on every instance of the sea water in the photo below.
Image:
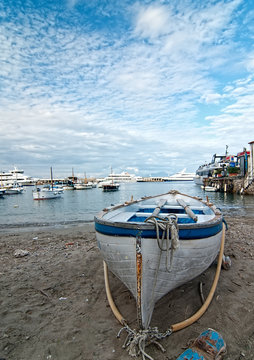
79	206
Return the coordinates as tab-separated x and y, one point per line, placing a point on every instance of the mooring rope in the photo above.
168	226
136	341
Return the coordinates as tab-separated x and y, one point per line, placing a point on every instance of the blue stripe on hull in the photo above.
184	234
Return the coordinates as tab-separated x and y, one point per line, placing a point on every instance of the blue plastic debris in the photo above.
208	346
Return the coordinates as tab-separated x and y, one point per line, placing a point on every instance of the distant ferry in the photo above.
181	176
123	177
15	176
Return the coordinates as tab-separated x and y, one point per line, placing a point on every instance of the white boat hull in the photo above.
209	188
46	195
130	246
83	186
191	259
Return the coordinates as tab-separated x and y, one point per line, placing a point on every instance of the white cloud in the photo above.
153	21
79	95
211	98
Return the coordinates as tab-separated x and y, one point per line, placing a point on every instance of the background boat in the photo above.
181	176
77	207
110	186
13	189
16	176
47	192
83	186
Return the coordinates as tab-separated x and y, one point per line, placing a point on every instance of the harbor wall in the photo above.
234	184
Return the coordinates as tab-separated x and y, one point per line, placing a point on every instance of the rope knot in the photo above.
168	226
136	341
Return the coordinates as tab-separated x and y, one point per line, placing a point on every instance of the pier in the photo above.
232	184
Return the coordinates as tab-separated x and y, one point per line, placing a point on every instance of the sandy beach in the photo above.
53	303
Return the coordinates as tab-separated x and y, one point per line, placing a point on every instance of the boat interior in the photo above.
140	211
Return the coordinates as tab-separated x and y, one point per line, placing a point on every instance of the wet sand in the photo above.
53	303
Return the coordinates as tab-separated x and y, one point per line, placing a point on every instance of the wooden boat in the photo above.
156	244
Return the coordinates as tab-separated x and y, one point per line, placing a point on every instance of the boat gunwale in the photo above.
216	220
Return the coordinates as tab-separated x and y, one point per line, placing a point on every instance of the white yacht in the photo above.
181	176
15	176
207	170
123	177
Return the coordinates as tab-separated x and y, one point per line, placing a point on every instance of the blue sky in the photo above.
150	87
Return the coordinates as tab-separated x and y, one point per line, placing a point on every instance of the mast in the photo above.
72	176
51	177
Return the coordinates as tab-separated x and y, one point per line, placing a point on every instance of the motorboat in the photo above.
158	243
13	189
110	186
69	185
209	188
83	186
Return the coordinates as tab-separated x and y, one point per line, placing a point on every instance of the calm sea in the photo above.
79	206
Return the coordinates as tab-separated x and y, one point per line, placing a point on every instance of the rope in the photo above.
168	226
136	341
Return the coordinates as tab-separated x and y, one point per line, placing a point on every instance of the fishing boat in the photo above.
158	243
47	192
110	186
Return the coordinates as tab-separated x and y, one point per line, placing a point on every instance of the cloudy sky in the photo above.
150	87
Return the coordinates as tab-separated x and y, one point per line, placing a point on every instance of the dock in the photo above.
232	184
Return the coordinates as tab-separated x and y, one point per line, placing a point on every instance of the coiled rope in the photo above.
168	226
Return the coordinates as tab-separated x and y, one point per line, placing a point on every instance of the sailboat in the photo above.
47	192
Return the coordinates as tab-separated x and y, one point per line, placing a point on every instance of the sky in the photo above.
148	87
